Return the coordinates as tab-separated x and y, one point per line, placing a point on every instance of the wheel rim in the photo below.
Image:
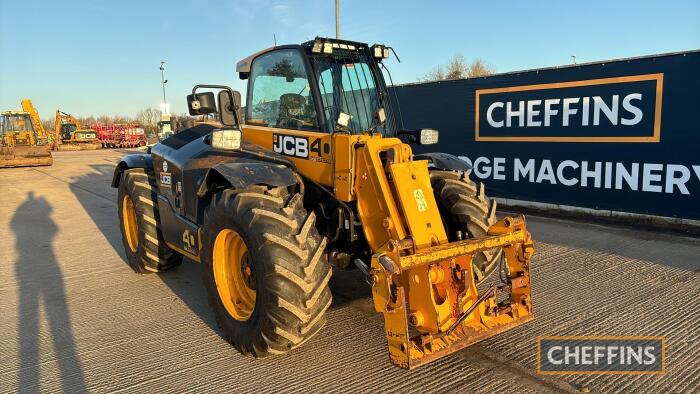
131	226
233	275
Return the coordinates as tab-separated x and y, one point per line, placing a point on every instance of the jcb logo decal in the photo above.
166	179
301	147
290	145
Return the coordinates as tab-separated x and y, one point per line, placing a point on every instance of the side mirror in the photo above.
204	103
421	136
201	103
227	106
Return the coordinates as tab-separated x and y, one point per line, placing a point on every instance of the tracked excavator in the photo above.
70	135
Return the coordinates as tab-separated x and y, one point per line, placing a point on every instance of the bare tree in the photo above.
123	119
479	68
436	74
49	124
87	121
458	68
105	119
148	118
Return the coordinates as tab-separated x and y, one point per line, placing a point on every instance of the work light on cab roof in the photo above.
327	46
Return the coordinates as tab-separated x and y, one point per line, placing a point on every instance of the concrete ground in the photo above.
75	318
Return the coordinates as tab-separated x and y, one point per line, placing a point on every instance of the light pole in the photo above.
337	18
574	58
163	81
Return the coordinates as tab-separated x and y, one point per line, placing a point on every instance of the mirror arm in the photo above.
222	87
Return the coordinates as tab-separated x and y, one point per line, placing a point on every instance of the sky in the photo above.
102	57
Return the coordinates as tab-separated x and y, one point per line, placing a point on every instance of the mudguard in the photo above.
241	174
136	160
444	161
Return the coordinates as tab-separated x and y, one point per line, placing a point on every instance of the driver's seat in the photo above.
291	111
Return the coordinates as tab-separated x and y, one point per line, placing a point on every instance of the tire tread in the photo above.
297	272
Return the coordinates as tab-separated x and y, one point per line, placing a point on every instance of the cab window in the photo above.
349	87
279	94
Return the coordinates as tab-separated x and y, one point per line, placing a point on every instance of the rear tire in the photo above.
139	220
466	209
289	268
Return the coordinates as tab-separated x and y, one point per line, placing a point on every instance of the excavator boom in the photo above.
41	135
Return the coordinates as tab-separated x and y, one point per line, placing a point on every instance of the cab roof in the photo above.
14	113
243	66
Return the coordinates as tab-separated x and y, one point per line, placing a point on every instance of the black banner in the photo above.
622	135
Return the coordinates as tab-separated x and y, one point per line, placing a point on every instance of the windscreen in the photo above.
17	123
68	129
348	83
279	93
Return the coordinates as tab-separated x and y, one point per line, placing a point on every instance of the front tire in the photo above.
265	269
467	214
145	248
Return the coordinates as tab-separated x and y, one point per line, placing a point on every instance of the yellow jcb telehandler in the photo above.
318	179
23	140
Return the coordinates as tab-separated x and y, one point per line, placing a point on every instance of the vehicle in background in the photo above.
120	135
165	126
70	135
23	140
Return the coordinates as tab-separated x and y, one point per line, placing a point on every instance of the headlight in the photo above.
228	139
428	136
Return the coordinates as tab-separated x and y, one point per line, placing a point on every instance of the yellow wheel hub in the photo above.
233	274
131	226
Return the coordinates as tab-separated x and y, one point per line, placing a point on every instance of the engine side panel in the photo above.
187	166
179	233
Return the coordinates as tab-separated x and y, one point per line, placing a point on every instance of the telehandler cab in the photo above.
316	179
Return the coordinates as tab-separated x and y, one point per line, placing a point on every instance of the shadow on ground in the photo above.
40	283
99	200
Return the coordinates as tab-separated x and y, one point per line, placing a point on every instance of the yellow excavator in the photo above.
70	135
23	139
